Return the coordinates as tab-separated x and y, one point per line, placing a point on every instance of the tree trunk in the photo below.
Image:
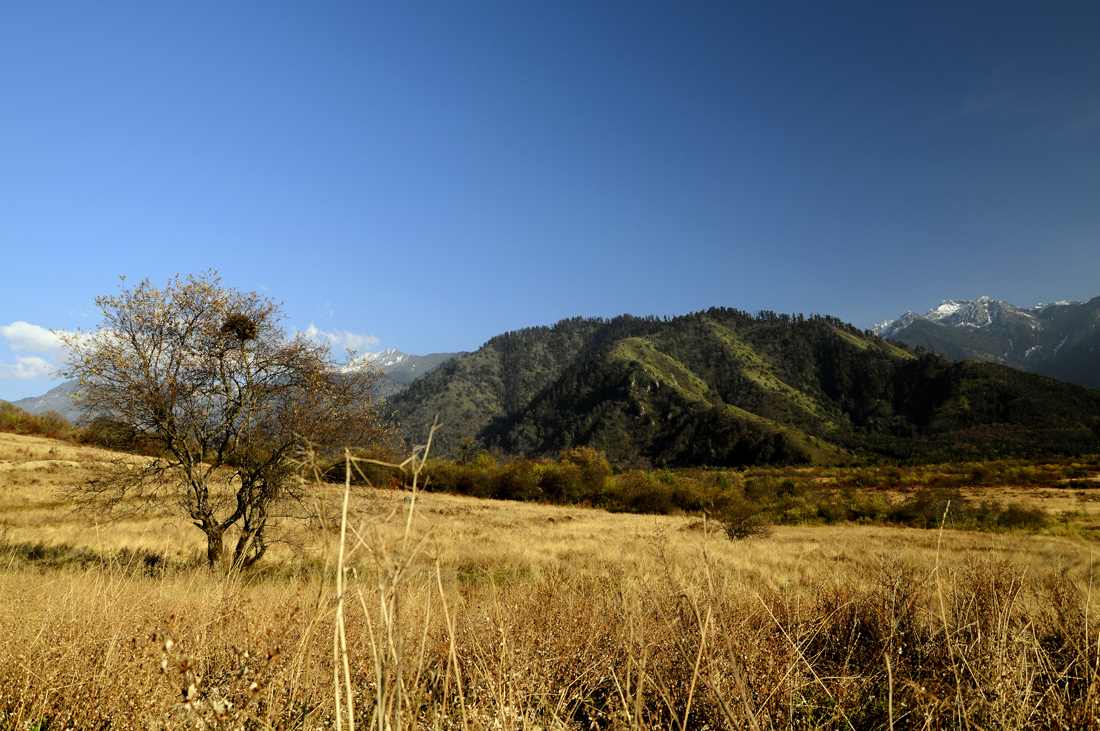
214	545
250	549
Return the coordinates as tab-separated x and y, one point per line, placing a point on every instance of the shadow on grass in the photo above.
38	554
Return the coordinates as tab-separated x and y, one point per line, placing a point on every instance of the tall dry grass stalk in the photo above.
396	696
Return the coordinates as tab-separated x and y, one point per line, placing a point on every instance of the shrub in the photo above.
559	483
926	508
365	469
517	481
795	511
54	425
594	469
865	506
742	520
1017	517
638	492
1010	517
788	488
457	478
484	461
110	434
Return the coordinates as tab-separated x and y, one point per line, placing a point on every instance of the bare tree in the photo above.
209	380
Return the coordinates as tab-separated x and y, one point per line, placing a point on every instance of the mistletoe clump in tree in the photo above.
206	376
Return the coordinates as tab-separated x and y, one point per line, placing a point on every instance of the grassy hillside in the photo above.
725	388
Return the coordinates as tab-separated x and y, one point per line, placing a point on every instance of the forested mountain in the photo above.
724	387
1060	340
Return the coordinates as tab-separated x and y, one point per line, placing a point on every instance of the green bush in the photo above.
795	511
1010	517
453	477
638	492
926	509
786	496
110	434
559	483
517	481
366	470
865	507
594	472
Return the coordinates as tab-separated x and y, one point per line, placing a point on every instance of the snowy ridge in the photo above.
979	313
399	369
948	308
58	398
889	327
1062	303
384	358
1059	339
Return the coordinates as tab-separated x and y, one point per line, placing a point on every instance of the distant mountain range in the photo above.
1060	340
726	388
57	399
399	370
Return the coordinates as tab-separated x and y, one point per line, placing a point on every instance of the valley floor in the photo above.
467	613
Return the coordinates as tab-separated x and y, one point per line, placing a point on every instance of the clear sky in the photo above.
423	176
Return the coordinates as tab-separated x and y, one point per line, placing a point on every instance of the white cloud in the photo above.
341	338
25	367
25	336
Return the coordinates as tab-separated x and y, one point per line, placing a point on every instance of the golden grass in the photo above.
465	613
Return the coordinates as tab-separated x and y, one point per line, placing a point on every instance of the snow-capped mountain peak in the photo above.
1057	339
400	369
981	312
946	309
384	358
887	328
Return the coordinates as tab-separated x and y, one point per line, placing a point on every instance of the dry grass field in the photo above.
453	612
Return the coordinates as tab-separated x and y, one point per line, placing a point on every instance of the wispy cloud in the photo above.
26	367
1084	122
1030	115
999	104
341	338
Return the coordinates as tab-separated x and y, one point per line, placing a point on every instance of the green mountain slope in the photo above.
499	380
724	387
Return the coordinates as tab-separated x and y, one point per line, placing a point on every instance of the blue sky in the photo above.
423	176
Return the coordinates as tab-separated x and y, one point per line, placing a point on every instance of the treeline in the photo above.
727	388
788	495
791	495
